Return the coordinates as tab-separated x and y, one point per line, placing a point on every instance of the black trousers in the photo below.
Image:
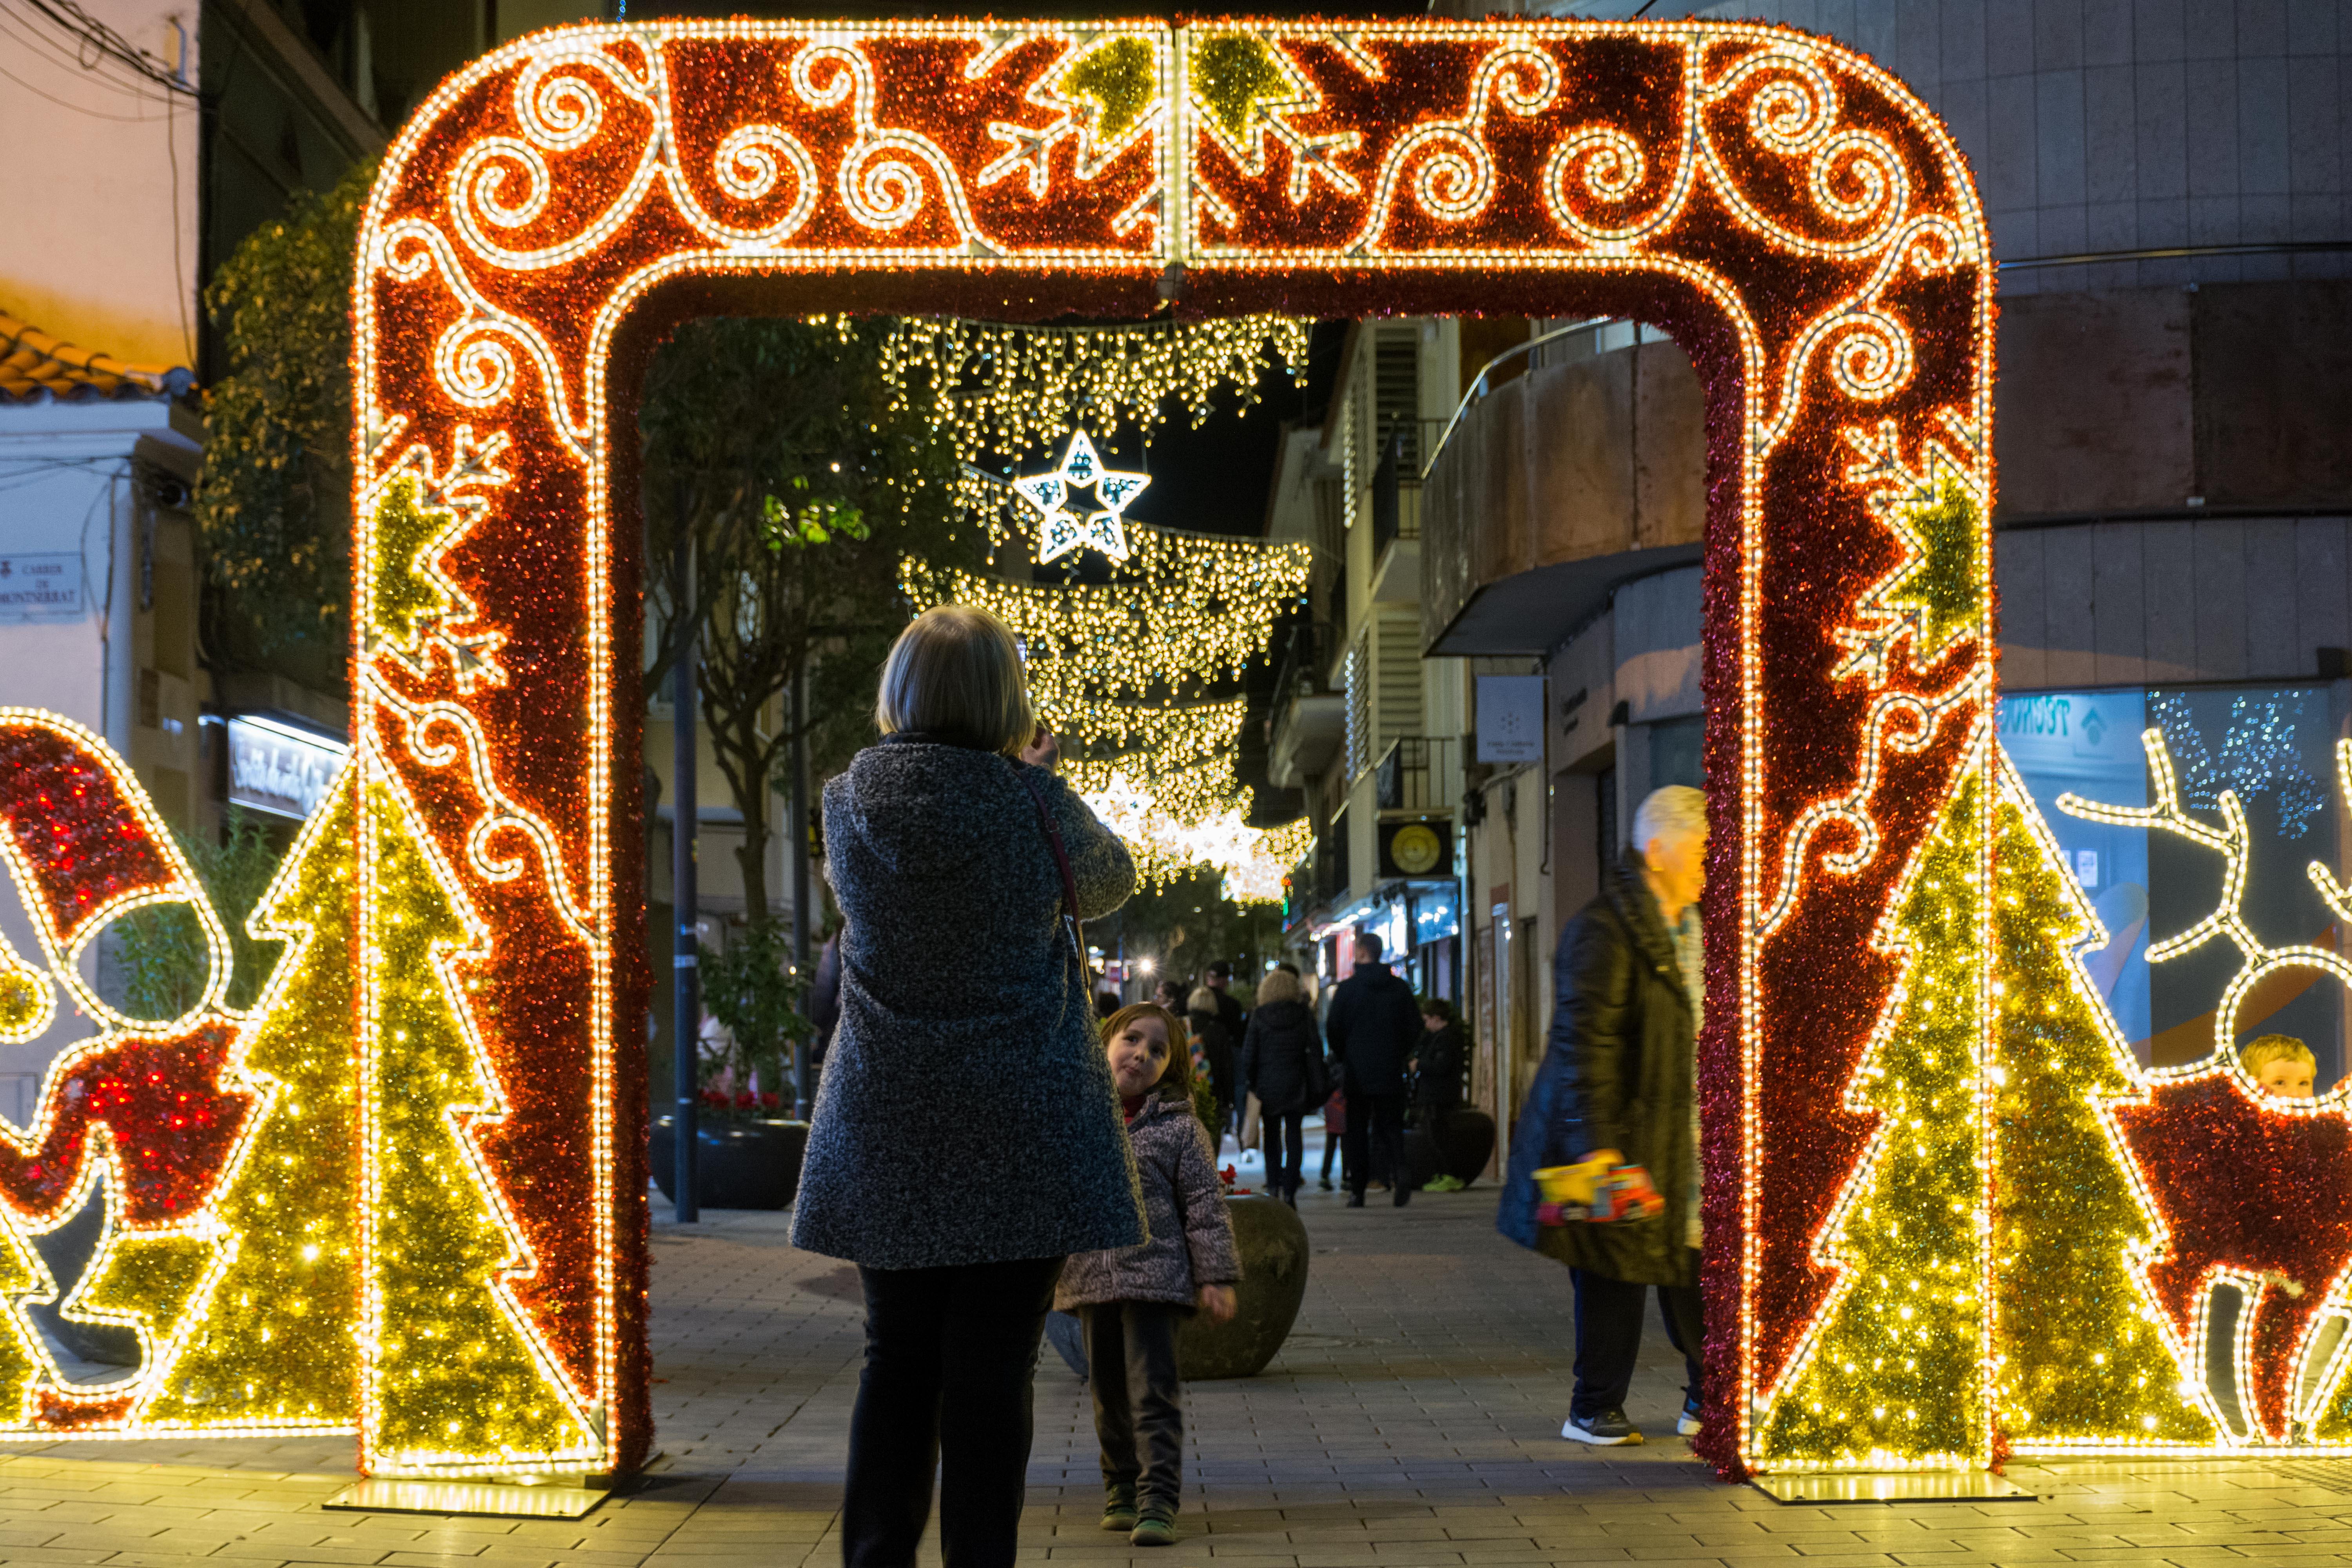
1374	1140
950	1353
1139	1402
1286	1149
1608	1338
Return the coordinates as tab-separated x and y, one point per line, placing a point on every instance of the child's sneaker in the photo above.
1607	1430
1154	1526
1118	1507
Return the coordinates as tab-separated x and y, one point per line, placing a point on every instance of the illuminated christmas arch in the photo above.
1788	210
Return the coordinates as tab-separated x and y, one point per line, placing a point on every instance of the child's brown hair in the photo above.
2264	1049
1177	1076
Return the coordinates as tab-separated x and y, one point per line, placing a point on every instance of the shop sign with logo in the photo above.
276	768
1510	718
46	586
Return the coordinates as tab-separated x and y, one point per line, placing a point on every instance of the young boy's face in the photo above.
1139	1055
2286	1077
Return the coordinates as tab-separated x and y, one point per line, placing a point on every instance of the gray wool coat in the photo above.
1192	1241
966	1113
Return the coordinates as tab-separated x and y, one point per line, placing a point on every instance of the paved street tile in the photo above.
1412	1423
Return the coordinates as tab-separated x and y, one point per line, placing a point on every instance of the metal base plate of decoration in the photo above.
512	1497
1815	1488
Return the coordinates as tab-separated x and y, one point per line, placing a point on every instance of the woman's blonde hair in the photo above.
1280	985
955	673
1202	1000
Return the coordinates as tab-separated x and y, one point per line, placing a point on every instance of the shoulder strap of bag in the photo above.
1061	862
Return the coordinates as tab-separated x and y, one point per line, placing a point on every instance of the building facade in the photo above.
2166	189
1363	725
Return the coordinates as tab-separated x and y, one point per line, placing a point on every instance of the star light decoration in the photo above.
1060	530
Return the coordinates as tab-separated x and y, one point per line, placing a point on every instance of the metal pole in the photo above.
683	896
800	887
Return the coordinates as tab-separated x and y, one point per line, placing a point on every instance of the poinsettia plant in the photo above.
754	989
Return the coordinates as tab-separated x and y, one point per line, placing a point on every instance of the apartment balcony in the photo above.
1310	720
1588	468
1417	775
2118	408
1396	510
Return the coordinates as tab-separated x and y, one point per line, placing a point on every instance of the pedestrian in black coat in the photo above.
1373	1025
1219	979
966	1136
1282	1063
1217	1050
1617	1082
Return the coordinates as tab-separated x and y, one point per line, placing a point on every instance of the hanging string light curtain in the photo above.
1121	670
1118	670
1195	614
1000	389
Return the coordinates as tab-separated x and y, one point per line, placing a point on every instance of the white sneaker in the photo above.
1687	1425
1608	1430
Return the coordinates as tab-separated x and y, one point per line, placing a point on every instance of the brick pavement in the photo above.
1412	1423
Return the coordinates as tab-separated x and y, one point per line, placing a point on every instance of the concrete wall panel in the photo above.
2274	370
2321	587
2168	588
1669	447
2118	604
2091	404
1584	471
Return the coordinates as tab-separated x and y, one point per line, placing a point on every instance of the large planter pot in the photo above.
1458	1146
1423	1163
1273	1253
738	1165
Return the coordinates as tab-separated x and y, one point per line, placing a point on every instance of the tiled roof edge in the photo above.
37	367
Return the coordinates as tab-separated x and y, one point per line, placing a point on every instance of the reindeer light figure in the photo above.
2253	1275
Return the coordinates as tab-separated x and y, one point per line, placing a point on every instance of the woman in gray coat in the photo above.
966	1137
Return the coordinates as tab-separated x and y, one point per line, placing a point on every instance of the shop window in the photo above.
2273	747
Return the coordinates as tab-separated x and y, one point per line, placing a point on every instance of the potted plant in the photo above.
749	1152
1272	1243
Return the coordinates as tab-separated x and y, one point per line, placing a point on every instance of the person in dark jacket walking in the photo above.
966	1137
1282	1064
1217	1050
1372	1025
1132	1301
1219	979
1618	1083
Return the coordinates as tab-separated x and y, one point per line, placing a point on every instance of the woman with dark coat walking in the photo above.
1281	1062
966	1137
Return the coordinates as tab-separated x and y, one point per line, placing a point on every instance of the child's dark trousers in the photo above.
1139	1406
